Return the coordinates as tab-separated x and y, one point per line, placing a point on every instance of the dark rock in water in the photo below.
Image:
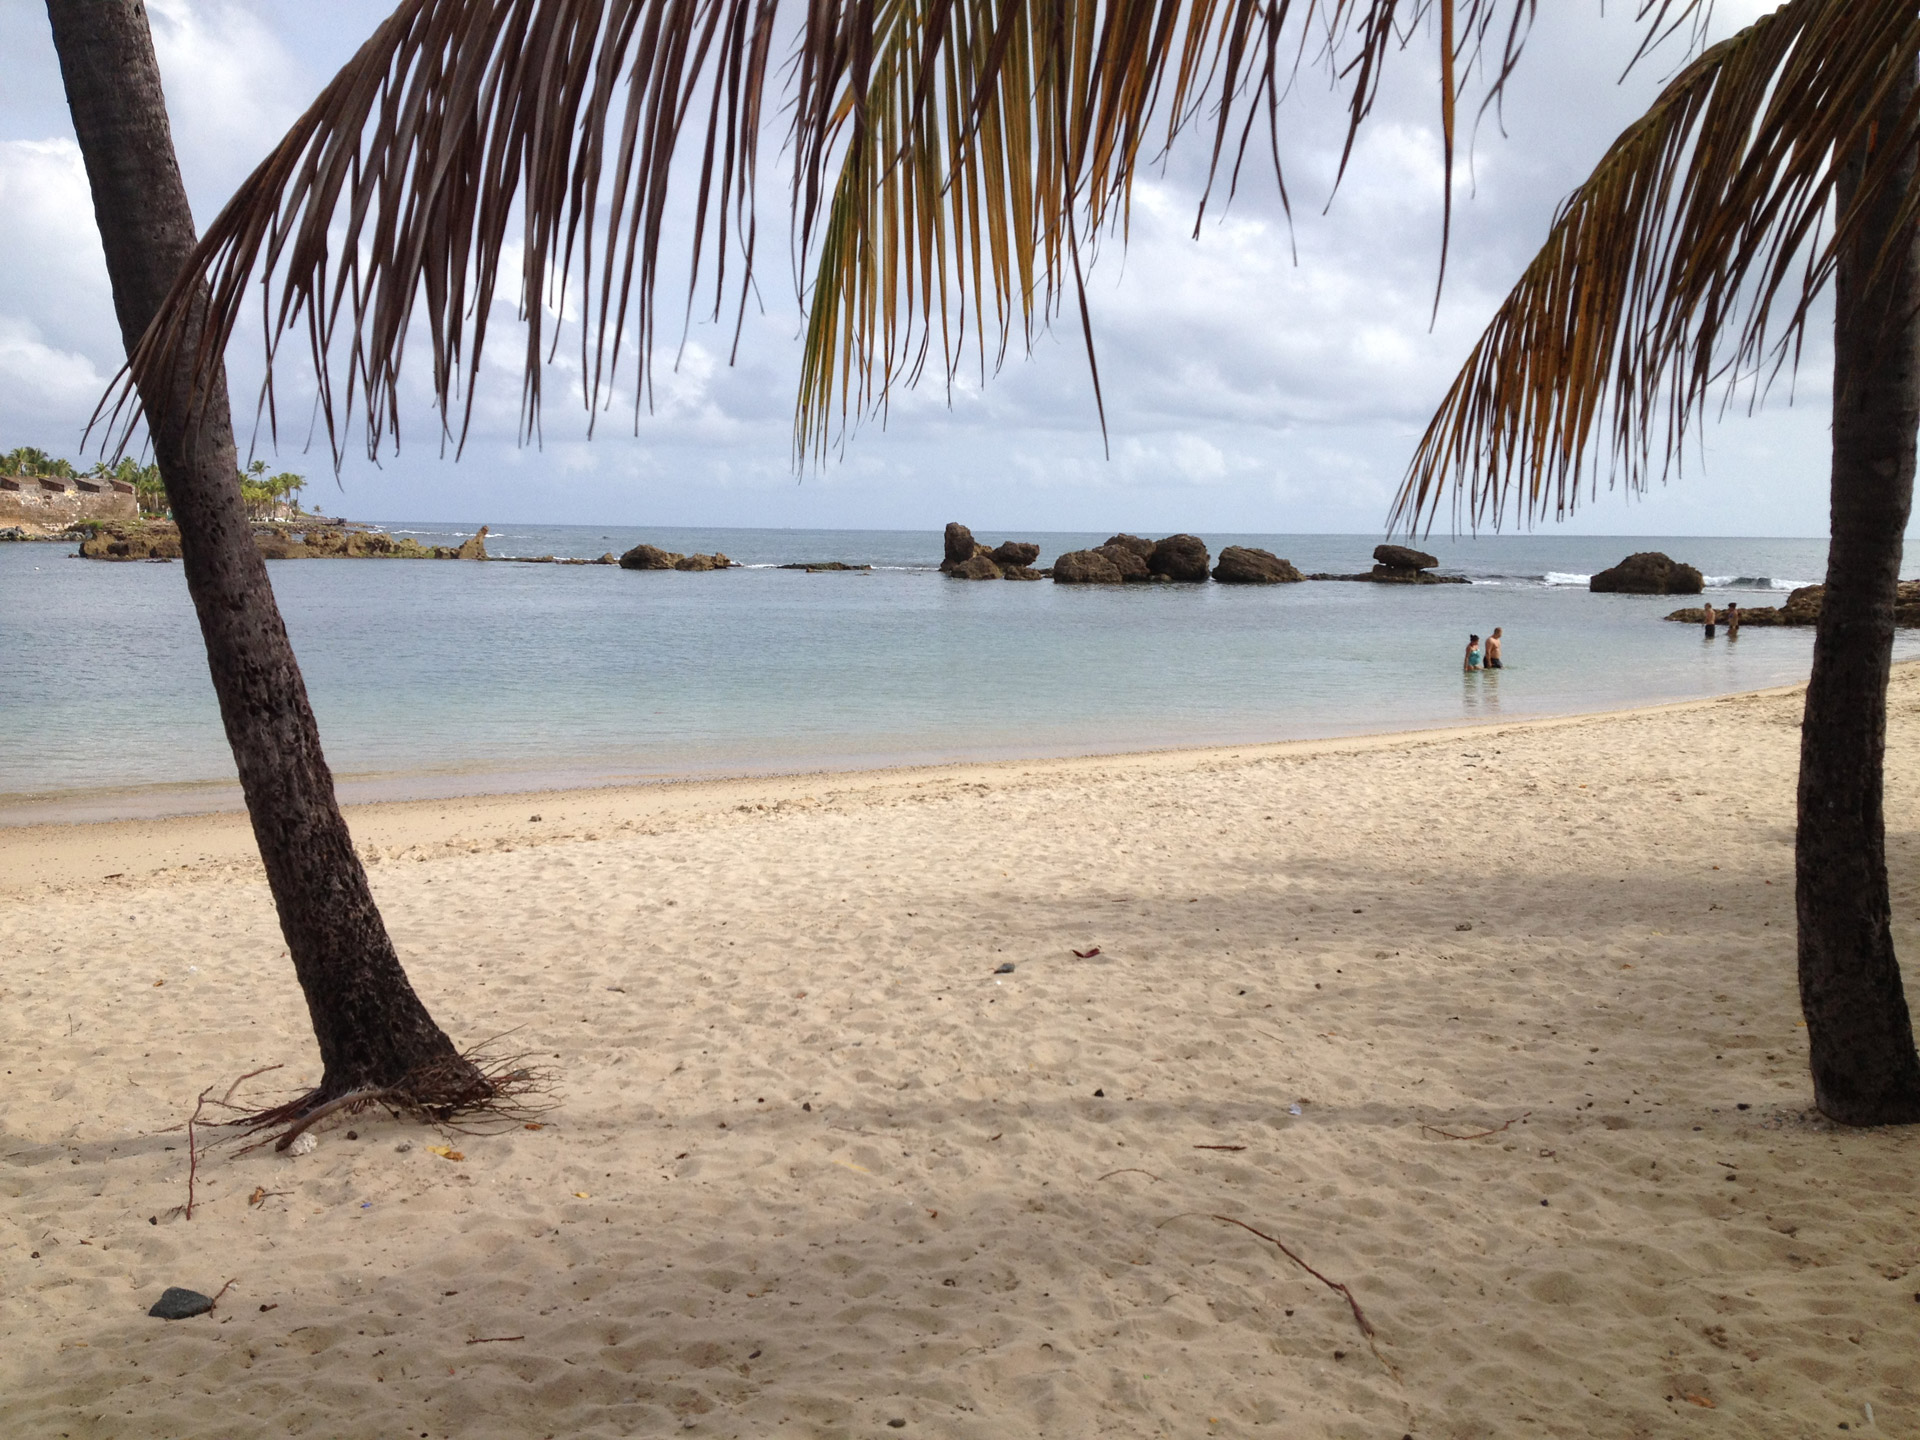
980	567
648	557
652	557
1243	565
1015	552
1647	573
1020	572
608	559
827	566
1389	575
1382	575
474	547
1399	557
1180	557
1803	608
1126	560
1142	548
178	1304
1086	567
960	544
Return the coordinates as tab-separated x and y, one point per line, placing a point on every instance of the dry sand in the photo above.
993	1219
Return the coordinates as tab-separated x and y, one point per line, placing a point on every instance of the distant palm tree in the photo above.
373	1032
952	159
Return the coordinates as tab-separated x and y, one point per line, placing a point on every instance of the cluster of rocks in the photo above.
827	567
1399	565
1130	559
1648	573
968	559
1803	608
652	557
1122	560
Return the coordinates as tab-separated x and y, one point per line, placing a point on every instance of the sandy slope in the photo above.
962	1232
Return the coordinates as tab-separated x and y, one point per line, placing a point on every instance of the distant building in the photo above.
53	502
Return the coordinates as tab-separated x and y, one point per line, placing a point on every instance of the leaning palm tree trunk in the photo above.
1865	1071
373	1031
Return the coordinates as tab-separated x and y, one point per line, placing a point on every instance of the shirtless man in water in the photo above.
1493	661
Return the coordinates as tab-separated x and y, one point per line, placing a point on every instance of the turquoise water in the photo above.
438	677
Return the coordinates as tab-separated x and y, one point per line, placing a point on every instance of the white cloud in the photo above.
1243	390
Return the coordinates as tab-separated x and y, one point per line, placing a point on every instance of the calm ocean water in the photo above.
435	678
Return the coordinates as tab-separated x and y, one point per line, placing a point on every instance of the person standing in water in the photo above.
1494	661
1708	609
1733	620
1473	653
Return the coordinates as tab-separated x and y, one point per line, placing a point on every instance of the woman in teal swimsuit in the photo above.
1473	653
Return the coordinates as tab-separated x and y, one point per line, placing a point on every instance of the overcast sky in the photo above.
1245	390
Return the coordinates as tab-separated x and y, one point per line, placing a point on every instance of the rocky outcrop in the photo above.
1090	567
818	567
160	540
1400	557
1181	558
474	547
980	567
1647	573
648	557
1803	608
967	559
1140	547
960	545
652	557
1243	565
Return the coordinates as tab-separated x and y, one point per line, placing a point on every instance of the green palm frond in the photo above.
952	160
1686	262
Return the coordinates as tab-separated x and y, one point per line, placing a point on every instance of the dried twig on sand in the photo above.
1476	1134
1128	1170
1359	1315
193	1153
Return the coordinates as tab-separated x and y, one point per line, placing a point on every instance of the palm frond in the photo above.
953	161
1686	262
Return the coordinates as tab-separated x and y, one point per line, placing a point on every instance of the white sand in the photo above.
962	1233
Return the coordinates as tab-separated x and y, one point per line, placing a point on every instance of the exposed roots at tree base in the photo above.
474	1092
477	1092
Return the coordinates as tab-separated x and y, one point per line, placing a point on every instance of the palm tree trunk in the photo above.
1865	1071
372	1029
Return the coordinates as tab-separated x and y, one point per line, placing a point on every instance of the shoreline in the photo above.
49	852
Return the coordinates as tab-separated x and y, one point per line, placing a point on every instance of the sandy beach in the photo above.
1496	1027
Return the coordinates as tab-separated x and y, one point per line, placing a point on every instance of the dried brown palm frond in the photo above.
950	161
1682	268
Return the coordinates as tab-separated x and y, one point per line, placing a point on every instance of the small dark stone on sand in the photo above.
1543	1202
896	1424
1099	1094
1743	1107
1004	969
807	1105
353	1134
177	1304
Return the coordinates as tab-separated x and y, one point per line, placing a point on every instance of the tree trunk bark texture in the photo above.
1859	1031
372	1029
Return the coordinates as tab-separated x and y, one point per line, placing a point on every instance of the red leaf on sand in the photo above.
1087	954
